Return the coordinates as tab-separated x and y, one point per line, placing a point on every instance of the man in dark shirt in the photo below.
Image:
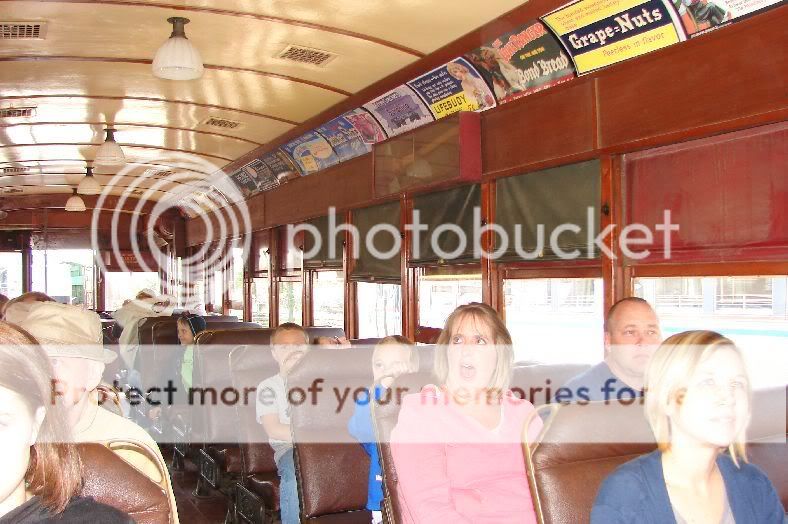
632	335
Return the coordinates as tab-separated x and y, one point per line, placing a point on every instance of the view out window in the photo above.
237	283
260	306
66	275
124	286
555	320
290	301
217	300
328	299
379	310
751	311
439	295
11	274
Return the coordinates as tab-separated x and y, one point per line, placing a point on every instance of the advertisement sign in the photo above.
264	173
311	153
453	87
366	125
702	15
522	62
345	138
399	110
598	33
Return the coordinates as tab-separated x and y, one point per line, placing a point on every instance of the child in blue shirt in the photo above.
392	357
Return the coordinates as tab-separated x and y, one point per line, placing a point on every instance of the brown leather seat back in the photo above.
111	480
213	415
249	365
385	417
580	445
538	383
331	467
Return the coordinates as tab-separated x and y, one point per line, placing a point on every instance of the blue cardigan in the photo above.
636	492
361	427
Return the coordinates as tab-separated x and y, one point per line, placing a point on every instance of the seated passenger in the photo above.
179	369
289	343
457	446
341	342
698	405
72	338
145	305
632	335
41	476
392	357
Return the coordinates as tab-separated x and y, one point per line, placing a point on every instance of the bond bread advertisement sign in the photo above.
366	125
311	153
598	33
522	62
344	138
453	87
702	15
399	110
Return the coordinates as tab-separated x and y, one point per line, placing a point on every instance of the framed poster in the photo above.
366	125
698	16
399	110
522	62
344	138
453	87
311	153
598	33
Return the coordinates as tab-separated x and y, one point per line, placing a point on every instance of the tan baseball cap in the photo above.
67	331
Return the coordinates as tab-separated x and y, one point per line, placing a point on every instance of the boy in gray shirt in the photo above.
289	343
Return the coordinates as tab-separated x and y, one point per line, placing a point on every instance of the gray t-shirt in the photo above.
727	514
272	398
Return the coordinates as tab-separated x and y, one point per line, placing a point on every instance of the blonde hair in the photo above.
668	373
399	340
486	315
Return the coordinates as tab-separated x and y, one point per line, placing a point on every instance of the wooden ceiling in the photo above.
92	69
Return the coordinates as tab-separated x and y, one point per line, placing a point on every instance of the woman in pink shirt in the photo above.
457	446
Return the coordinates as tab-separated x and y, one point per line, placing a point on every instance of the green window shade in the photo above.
369	266
552	198
445	246
323	257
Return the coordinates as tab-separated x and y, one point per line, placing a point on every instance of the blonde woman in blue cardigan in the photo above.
698	403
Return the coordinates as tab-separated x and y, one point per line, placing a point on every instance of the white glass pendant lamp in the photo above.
89	185
109	153
177	58
75	202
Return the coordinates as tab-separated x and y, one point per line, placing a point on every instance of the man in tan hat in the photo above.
72	338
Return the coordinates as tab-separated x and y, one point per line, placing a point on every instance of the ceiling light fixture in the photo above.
177	58
89	185
75	202
109	153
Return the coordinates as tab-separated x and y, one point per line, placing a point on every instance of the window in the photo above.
750	310
379	310
11	274
290	301
217	300
124	286
260	301
237	283
555	320
65	275
439	295
328	299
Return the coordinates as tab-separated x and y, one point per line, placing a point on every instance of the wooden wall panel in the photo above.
693	88
551	125
347	185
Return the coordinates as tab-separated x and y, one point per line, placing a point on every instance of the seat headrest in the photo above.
112	481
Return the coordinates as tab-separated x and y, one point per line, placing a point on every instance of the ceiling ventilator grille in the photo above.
22	30
306	55
222	123
15	170
17	112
